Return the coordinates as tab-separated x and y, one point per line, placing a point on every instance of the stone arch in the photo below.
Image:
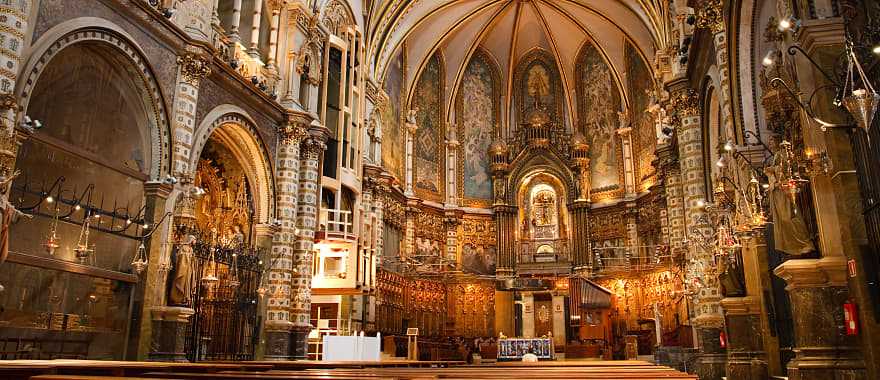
535	160
92	29
237	131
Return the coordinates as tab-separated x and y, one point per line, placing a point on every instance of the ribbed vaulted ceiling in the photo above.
507	30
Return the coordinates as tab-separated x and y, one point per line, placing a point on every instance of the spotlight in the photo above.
876	49
785	24
77	207
765	185
728	146
720	162
701	203
49	199
97	216
127	222
770	58
146	226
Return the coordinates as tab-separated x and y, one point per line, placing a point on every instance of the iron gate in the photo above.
226	322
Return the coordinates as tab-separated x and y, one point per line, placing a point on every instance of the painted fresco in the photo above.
640	87
392	130
539	86
598	106
428	143
478	112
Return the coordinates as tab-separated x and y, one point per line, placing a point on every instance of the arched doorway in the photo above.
83	179
231	259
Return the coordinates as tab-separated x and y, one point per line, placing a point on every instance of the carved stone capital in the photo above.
8	102
686	103
710	15
295	129
813	273
750	305
193	67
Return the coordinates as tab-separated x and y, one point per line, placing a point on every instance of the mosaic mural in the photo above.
427	152
641	89
597	111
539	86
392	130
480	93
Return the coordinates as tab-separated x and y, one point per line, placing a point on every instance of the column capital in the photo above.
159	189
710	15
686	103
193	67
295	129
708	321
750	305
813	273
266	229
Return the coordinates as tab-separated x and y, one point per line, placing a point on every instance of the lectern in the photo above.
412	343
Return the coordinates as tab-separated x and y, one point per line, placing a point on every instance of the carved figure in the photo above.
10	215
790	232
184	276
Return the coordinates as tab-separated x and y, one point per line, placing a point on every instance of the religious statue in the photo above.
412	115
184	280
790	232
10	214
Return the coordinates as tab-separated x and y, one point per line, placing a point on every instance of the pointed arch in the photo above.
429	150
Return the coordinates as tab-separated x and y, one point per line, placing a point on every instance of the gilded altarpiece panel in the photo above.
392	128
478	255
430	240
640	85
478	110
428	146
472	307
599	101
538	86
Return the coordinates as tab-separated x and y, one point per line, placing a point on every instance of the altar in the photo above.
515	348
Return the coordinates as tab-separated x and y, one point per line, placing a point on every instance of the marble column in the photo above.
254	50
278	309
629	174
411	129
452	221
272	59
818	289
631	219
192	68
746	357
14	27
234	32
306	222
409	229
708	320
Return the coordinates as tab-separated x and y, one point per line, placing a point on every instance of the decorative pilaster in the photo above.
629	176
631	220
12	42
411	127
710	16
306	221
505	229
580	225
452	146
452	221
156	196
192	68
409	229
275	6
746	358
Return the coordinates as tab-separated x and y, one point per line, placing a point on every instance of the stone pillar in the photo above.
14	27
708	319
451	177
504	313
278	309
192	68
152	288
263	235
254	49
817	289
234	35
580	231
528	315
559	322
194	17
170	326
631	219
746	358
306	221
411	129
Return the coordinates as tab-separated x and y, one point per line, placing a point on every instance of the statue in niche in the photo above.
790	232
412	116
184	276
732	278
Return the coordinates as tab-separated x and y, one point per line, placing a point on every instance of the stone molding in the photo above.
749	305
813	273
171	313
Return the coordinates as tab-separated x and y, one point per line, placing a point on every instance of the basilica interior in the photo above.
609	187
